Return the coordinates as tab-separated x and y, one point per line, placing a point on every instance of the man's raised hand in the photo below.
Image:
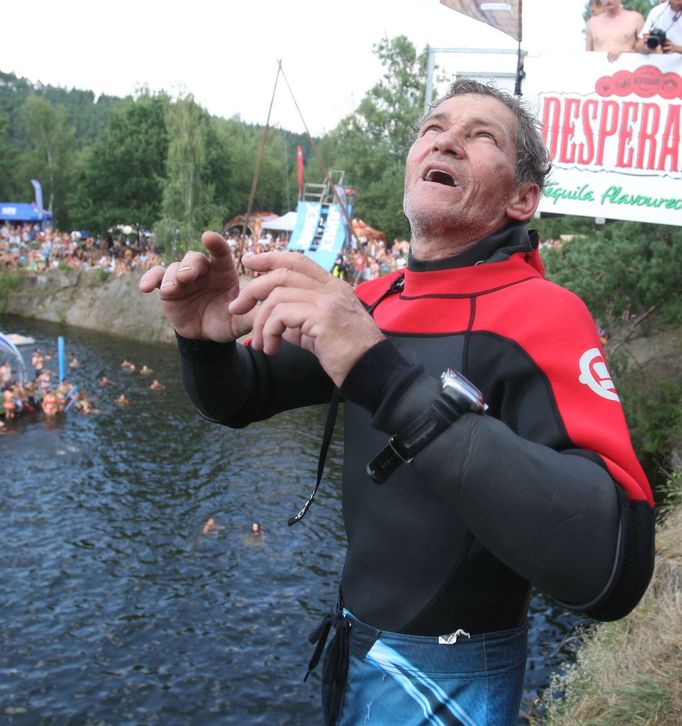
305	305
195	293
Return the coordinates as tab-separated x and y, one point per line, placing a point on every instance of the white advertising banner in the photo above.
613	132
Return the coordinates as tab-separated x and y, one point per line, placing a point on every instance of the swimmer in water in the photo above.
9	403
211	526
50	404
122	400
156	386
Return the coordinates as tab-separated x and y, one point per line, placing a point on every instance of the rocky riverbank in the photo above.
99	301
91	299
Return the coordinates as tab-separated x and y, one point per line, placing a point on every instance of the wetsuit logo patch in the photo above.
595	374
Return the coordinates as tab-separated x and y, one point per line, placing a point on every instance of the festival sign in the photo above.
613	133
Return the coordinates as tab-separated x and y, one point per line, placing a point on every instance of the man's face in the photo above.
676	5
611	5
461	169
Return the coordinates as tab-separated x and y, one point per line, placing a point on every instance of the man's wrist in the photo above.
458	395
380	373
192	349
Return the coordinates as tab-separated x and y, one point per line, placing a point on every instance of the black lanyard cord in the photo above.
395	287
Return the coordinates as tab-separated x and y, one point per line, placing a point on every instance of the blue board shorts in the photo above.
383	678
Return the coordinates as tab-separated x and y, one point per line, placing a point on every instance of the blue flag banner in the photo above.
307	222
333	237
39	194
320	232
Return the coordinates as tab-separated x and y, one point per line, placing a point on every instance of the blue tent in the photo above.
23	212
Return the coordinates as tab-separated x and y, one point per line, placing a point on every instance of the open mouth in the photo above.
440	177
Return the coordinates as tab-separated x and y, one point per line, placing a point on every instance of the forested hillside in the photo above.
106	161
164	163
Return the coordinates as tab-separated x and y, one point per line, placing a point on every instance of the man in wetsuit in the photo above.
486	450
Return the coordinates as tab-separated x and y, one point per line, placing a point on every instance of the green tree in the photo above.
186	205
372	143
121	177
51	159
391	109
623	269
219	169
641	6
8	163
243	142
276	175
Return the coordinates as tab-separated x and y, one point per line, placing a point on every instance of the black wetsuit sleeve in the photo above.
234	385
558	519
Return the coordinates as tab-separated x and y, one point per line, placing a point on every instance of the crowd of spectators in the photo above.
365	259
370	259
30	248
249	246
27	247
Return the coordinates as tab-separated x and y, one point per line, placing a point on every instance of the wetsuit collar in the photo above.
497	247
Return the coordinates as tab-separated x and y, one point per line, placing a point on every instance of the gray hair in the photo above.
532	158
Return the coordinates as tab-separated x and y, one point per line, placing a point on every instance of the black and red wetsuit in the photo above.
543	490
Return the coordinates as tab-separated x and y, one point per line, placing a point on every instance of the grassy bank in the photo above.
9	283
630	671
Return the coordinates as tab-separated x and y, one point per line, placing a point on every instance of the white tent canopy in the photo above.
285	223
6	344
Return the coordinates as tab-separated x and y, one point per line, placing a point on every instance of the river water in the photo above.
117	608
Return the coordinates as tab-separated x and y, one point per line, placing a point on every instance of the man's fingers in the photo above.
152	278
286	317
261	288
165	278
217	247
192	265
215	243
282	270
281	297
267	261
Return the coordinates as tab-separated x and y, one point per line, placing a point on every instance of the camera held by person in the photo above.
656	37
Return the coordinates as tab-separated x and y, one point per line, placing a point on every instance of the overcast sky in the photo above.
225	53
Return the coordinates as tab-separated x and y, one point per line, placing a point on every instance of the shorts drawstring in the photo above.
336	661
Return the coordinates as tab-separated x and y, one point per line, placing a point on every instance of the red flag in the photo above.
505	16
299	164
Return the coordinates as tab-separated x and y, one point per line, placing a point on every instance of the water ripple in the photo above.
117	608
